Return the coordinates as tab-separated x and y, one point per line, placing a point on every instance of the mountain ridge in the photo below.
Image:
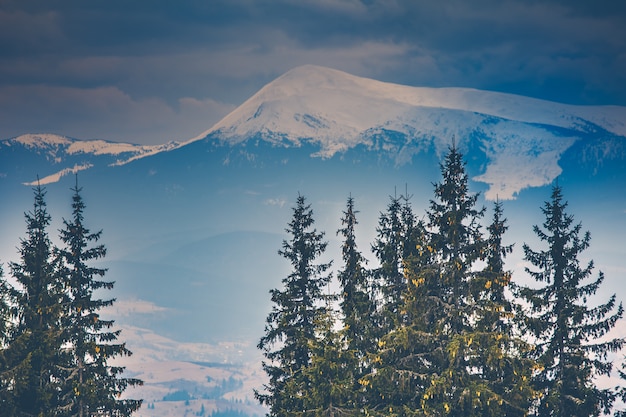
310	81
192	230
67	155
521	139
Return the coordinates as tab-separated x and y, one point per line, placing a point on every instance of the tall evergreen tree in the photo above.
4	309
5	314
292	325
440	361
357	305
501	355
5	327
421	365
399	363
397	234
10	365
92	386
413	230
489	287
331	375
567	330
456	242
32	374
387	248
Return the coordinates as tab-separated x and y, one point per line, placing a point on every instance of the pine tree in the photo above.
501	355
31	376
4	309
399	361
357	305
567	330
388	250
413	231
489	286
6	316
331	375
397	234
419	365
91	386
456	243
292	325
450	356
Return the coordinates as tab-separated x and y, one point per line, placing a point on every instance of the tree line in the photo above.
55	349
439	328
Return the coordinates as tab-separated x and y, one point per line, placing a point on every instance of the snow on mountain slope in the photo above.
41	141
183	378
68	156
330	105
522	138
56	144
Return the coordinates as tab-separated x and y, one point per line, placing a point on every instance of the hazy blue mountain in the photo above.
193	228
519	139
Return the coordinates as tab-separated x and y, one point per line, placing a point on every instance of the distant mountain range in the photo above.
54	156
193	227
520	139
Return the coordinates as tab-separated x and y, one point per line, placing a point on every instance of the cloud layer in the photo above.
150	72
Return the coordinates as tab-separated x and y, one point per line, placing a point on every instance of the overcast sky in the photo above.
151	71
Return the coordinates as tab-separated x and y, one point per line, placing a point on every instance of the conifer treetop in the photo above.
569	333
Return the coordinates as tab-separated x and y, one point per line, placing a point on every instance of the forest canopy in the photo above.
439	327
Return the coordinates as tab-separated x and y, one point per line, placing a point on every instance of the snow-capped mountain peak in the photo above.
522	137
335	108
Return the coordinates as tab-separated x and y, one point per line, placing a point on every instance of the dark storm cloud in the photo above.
564	51
152	67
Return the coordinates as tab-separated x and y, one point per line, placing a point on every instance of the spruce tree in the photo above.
8	353
397	234
357	305
388	250
4	309
456	242
413	230
501	356
331	375
92	386
399	363
292	326
566	328
450	356
420	367
489	286
5	315
32	373
5	327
